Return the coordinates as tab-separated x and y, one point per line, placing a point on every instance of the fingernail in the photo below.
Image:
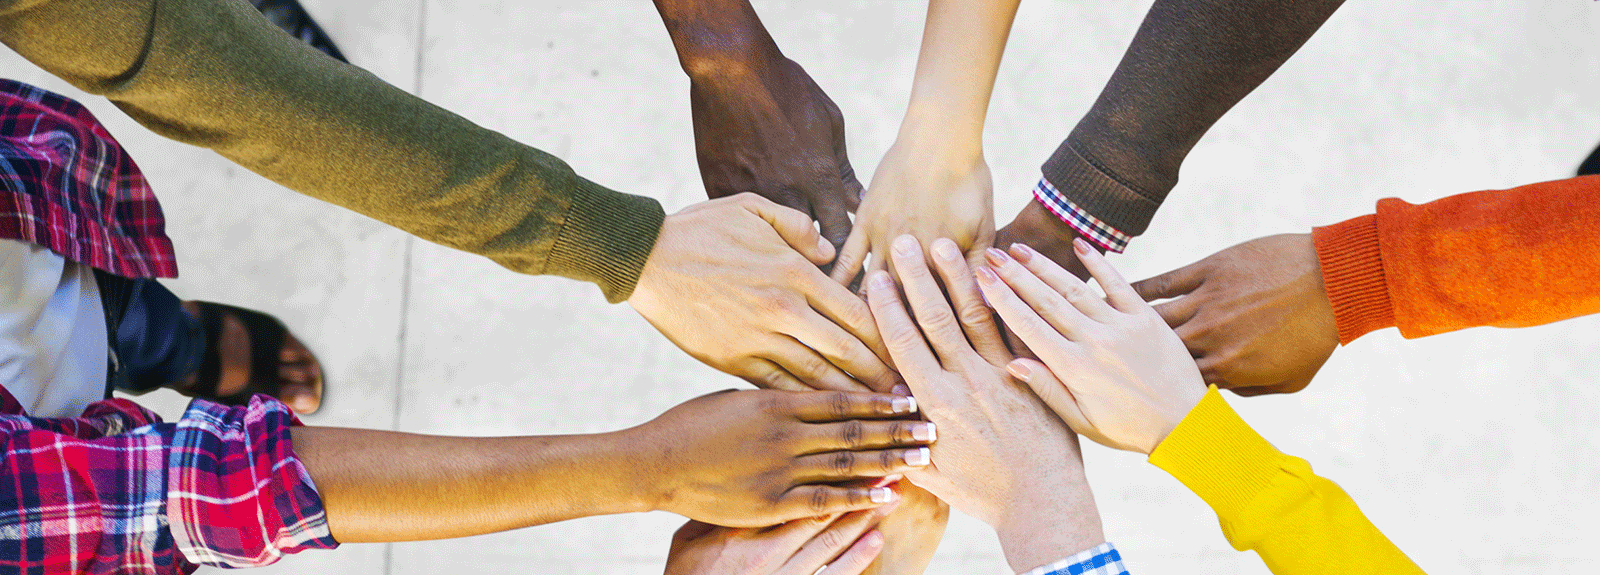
903	404
881	494
946	250
900	389
918	457
880	280
1022	253
1018	371
873	540
924	431
986	275
824	245
996	257
905	245
1080	246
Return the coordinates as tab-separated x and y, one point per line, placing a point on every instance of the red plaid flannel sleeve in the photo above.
118	491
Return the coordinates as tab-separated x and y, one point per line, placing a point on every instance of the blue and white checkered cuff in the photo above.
1092	228
1101	560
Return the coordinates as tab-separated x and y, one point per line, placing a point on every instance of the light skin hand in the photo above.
1111	368
734	282
933	182
1002	456
844	544
1255	316
761	124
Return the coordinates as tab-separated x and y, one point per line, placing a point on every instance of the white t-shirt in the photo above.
52	331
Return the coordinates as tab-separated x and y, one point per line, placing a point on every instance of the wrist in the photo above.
1053	524
938	124
714	41
637	484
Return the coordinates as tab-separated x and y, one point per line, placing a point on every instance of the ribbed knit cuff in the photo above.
1218	456
1097	191
605	238
1352	272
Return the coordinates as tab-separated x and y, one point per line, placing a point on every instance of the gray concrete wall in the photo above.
1474	451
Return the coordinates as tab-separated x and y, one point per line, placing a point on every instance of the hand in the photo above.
912	533
758	458
1002	456
1255	316
1125	379
734	282
764	126
1046	234
838	545
929	189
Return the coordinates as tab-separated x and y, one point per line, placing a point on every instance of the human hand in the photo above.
1111	368
927	187
1004	457
1046	234
911	534
836	544
764	126
762	457
1255	316
734	283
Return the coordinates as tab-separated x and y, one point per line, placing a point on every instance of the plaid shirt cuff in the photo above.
1101	560
1091	228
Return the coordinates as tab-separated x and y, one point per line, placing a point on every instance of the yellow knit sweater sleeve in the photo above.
1272	503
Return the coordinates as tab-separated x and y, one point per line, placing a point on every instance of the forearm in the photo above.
1462	261
1189	63
214	73
962	43
390	486
1270	502
716	37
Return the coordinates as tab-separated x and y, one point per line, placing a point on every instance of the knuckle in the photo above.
842	462
975	315
852	434
904	337
771	380
887	460
819	501
839	405
831	539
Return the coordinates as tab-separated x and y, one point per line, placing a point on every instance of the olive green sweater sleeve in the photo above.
215	74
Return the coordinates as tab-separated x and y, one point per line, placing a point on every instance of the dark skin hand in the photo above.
760	123
1255	316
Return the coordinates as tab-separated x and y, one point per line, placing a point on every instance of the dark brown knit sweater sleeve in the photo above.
1190	62
215	74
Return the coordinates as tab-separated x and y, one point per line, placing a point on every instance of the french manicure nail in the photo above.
881	494
900	389
1022	253
946	250
924	431
903	404
918	457
986	275
996	257
1019	372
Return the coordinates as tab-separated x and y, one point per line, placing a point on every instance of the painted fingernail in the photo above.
881	494
986	275
1018	371
946	250
1080	246
918	457
1022	253
903	404
996	257
905	245
924	431
900	389
880	279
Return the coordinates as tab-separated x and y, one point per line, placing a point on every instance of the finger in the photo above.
767	375
938	322
1060	309
794	227
812	369
858	557
692	530
852	338
1063	282
828	406
853	190
1052	391
1118	293
833	216
908	350
848	264
843	465
857	435
845	351
814	500
1039	335
977	320
828	544
1179	311
1172	284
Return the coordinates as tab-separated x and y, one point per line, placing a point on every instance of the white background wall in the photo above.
1474	451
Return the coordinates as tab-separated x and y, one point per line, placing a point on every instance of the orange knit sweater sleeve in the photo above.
1506	258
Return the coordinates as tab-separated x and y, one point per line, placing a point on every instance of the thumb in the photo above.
795	228
1172	284
1054	393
